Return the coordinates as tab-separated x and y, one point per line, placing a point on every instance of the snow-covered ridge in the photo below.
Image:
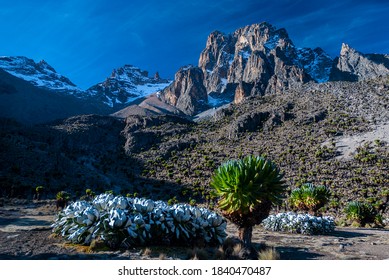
40	74
127	84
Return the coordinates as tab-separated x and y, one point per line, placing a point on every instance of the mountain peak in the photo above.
130	73
352	65
44	65
187	92
40	74
346	49
261	35
126	84
261	56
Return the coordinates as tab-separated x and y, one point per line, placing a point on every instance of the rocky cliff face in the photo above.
125	85
187	92
352	65
263	57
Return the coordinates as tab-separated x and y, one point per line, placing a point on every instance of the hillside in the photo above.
28	104
169	157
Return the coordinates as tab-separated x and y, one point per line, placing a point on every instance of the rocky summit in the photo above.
352	65
262	57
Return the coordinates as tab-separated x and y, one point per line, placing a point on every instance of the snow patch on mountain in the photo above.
315	62
272	42
245	54
40	74
217	100
125	85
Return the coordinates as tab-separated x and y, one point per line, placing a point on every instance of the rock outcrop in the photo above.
242	91
352	65
248	122
187	92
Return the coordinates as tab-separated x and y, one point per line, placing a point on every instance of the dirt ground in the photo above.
25	233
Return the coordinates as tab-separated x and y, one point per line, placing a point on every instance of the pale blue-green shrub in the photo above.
138	221
299	223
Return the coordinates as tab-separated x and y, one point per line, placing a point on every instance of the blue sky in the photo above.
86	39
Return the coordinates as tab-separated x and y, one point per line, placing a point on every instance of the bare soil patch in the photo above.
347	145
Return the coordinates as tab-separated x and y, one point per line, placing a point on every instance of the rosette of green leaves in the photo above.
247	189
360	212
243	184
309	198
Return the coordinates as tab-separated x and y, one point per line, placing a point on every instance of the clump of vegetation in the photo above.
269	254
62	199
299	223
38	192
172	200
360	213
90	194
364	155
125	222
309	198
247	189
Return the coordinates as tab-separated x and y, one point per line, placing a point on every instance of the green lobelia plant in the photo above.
39	191
90	194
247	189
62	199
360	212
309	198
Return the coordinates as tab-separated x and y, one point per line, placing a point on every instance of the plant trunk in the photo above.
61	203
245	235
